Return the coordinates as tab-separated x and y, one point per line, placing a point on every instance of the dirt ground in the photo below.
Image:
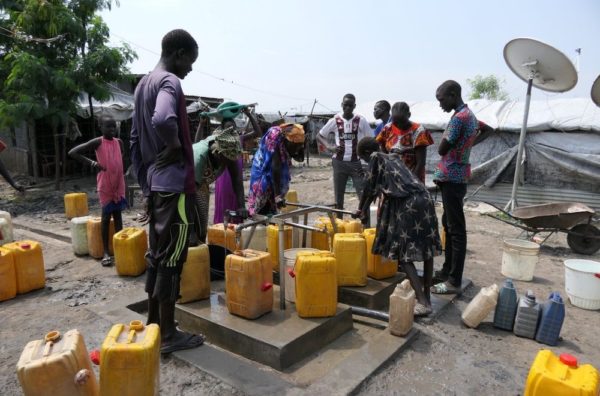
446	359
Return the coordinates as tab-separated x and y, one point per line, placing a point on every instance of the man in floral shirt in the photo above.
451	176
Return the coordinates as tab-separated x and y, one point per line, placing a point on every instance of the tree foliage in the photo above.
487	87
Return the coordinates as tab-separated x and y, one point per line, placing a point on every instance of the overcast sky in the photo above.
284	54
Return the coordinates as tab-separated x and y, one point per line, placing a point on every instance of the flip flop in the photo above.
184	341
445	288
422	310
107	262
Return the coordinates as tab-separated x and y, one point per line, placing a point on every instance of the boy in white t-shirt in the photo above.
348	129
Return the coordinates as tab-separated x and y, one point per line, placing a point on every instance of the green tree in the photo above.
57	49
487	87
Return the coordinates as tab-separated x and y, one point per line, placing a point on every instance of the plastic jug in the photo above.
6	228
320	240
402	307
273	243
528	314
94	237
551	320
506	309
79	240
76	205
249	283
290	261
552	375
259	238
57	365
350	251
373	209
219	236
29	265
129	360
479	308
8	277
195	277
352	225
291	196
130	246
316	284
377	266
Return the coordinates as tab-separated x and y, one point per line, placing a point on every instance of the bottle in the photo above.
528	314
551	321
402	306
506	309
480	306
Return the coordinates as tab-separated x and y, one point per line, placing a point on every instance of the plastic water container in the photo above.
291	196
290	260
94	237
129	360
57	365
320	240
76	205
519	259
29	265
273	243
352	225
350	251
480	307
195	276
552	375
402	307
130	244
219	236
249	283
79	241
551	320
528	314
6	228
316	284
373	216
377	266
259	238
8	277
582	283
506	309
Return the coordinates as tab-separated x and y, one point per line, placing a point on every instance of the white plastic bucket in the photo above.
519	259
582	283
289	255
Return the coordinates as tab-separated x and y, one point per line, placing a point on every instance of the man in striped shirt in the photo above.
348	129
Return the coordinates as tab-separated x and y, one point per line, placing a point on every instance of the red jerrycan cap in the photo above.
95	356
291	272
25	246
266	286
568	359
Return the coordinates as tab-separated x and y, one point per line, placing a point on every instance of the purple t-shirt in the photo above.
160	118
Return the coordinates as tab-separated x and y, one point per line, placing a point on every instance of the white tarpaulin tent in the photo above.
119	105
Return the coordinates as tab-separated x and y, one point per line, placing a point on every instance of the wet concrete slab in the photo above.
439	302
375	295
277	339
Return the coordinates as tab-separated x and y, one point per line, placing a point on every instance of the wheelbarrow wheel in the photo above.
584	239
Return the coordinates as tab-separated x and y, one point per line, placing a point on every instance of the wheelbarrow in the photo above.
574	219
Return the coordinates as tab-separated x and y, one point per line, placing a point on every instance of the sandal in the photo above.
107	262
422	310
445	288
183	341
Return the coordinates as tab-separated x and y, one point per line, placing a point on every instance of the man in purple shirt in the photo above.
161	153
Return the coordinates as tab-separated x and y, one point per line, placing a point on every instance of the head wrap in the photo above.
293	132
227	143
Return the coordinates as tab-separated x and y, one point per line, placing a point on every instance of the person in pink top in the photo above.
110	179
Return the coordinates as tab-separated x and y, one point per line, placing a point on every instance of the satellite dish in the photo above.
549	68
542	66
596	91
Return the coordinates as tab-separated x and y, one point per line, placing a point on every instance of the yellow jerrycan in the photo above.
249	283
218	235
552	375
291	196
377	266
94	237
273	243
129	360
352	225
76	205
195	276
8	277
321	241
130	246
402	307
57	365
316	284
29	265
350	251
